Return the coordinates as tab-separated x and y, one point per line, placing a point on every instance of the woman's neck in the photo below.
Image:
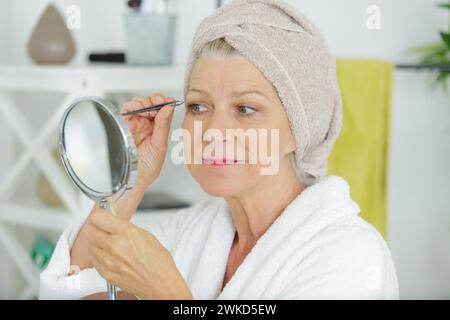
254	210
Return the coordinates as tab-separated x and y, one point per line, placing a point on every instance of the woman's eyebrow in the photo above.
233	94
199	91
241	93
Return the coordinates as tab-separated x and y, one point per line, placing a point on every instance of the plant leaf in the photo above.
444	5
446	38
434	57
425	48
442	78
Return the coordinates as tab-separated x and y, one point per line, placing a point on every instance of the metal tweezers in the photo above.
157	107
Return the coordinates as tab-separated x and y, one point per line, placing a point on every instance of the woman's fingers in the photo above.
132	106
143	128
144	102
141	124
161	129
106	221
102	262
96	236
140	102
150	132
135	104
155	123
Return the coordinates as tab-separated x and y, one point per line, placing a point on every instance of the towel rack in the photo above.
435	67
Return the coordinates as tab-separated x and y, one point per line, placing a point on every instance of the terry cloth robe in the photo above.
317	248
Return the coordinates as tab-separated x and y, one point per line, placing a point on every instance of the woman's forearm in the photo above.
124	207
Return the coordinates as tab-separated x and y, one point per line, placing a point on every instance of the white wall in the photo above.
419	174
419	184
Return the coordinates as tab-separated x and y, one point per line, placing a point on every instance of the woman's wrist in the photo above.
126	206
177	292
168	286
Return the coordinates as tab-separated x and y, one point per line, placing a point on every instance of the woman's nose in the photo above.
220	120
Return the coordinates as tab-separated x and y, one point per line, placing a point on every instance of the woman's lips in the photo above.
220	162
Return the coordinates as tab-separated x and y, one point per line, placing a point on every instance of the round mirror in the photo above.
97	149
98	152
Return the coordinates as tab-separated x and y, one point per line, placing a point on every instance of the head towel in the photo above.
292	54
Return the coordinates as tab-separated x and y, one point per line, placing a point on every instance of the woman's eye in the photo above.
197	108
246	110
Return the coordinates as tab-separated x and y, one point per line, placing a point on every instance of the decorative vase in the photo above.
51	41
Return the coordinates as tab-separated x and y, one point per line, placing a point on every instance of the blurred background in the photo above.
393	63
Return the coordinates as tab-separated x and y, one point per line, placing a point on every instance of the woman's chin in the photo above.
219	190
222	185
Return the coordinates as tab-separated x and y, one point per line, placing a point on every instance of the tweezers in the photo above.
152	108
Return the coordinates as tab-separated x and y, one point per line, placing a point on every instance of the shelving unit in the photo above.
74	81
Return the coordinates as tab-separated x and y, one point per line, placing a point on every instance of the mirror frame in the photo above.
130	171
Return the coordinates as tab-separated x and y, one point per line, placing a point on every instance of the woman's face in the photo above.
225	95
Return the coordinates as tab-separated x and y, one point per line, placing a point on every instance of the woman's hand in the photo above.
133	259
150	131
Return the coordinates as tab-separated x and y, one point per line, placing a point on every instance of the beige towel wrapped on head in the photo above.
290	51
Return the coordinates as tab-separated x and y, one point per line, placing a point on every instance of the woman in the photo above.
292	234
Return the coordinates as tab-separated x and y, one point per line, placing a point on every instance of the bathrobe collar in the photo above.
264	270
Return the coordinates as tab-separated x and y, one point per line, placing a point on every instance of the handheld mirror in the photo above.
98	152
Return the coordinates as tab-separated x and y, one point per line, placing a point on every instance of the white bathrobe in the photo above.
318	248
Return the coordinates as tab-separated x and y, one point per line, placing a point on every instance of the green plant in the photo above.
437	53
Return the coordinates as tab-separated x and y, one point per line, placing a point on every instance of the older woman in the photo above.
292	234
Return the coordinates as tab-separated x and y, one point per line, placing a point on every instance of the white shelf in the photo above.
107	77
41	218
97	69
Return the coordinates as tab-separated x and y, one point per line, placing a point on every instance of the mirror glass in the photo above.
94	147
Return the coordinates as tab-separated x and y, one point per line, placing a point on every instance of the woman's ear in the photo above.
289	146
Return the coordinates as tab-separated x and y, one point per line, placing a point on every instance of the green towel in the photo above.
361	151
